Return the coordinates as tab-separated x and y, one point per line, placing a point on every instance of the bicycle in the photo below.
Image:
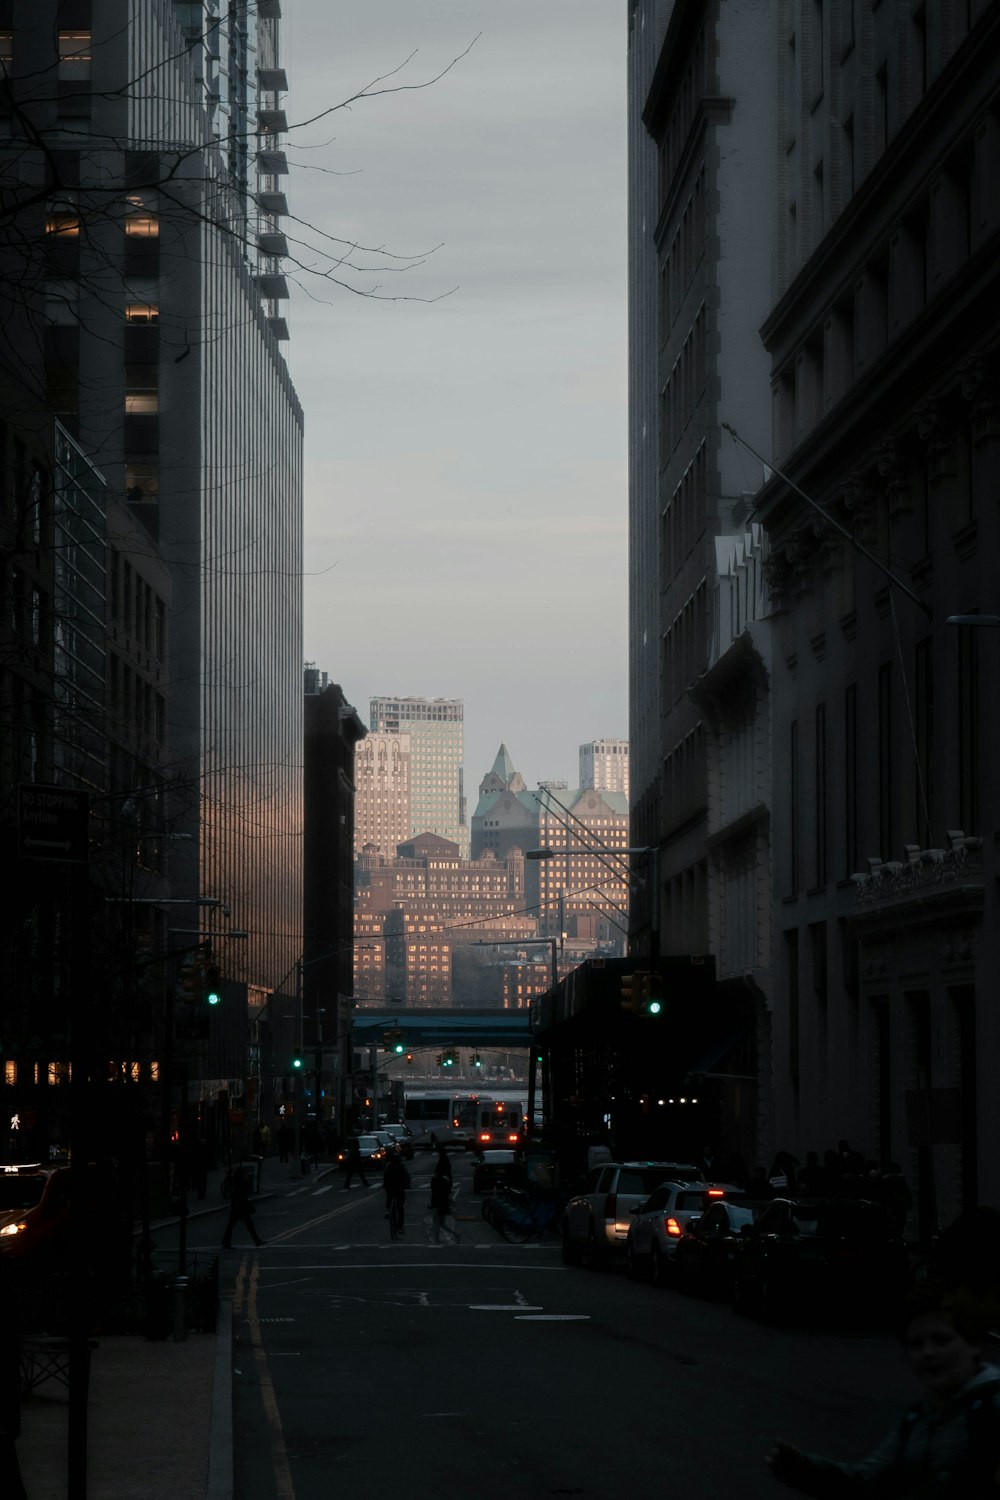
395	1218
525	1218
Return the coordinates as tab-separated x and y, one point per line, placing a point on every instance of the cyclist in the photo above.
395	1181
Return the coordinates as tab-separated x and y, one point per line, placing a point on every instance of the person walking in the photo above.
441	1188
395	1181
286	1136
241	1209
948	1445
354	1163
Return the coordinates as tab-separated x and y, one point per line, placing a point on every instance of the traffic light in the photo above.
212	980
477	1061
440	1059
297	1062
409	1057
392	1041
640	994
449	1059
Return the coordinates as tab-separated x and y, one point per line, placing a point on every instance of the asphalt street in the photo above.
384	1367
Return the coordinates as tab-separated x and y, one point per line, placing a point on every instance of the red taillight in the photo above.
484	1135
611	1206
673	1228
716	1192
512	1137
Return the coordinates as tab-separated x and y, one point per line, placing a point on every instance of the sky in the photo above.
465	449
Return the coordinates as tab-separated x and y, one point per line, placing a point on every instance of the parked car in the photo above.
498	1168
809	1252
373	1153
659	1224
596	1221
706	1251
403	1138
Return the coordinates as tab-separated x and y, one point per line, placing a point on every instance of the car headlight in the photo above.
9	1229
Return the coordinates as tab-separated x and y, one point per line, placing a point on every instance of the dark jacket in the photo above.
440	1192
395	1178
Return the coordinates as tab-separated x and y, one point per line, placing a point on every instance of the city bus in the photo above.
500	1121
441	1117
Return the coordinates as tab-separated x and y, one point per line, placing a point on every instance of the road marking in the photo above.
503	1307
555	1318
416	1265
323	1190
283	1487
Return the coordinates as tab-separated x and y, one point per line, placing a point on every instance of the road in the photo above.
370	1368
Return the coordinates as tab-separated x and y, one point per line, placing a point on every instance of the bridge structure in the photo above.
453	1027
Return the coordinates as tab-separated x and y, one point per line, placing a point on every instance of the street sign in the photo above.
53	822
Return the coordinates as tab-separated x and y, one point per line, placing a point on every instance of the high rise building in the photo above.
702	140
604	766
140	288
436	729
382	793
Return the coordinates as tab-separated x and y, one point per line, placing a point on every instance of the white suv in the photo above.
659	1223
597	1221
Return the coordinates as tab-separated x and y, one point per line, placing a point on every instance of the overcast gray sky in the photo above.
466	457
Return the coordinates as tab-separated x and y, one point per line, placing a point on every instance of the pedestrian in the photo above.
265	1139
286	1136
395	1181
443	1165
782	1174
947	1445
441	1189
354	1163
241	1209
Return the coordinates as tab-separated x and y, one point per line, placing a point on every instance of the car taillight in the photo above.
512	1137
716	1192
673	1228
484	1135
611	1206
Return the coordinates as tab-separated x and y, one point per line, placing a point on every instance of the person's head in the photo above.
943	1335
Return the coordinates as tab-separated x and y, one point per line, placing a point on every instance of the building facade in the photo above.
882	523
436	730
701	171
604	766
333	731
382	779
137	306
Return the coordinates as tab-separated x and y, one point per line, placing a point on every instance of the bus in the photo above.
441	1117
500	1121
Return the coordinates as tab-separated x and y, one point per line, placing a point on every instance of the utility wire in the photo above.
832	521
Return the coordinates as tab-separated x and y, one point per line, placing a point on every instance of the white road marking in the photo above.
503	1307
326	1189
555	1318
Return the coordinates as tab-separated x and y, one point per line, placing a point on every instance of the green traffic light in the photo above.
399	1048
213	997
296	1062
655	1007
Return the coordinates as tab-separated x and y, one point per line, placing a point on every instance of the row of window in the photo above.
687	250
683	521
137	607
133	701
906	805
685	646
684	387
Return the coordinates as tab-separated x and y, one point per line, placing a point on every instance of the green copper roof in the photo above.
503	766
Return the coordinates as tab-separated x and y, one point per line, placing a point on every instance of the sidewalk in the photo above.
160	1413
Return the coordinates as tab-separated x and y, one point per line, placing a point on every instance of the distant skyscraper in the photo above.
436	727
382	792
604	766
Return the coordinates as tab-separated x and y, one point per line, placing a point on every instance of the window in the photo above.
6	53
793	802
141	312
142	483
142	396
63	219
141	221
820	767
850	780
62	303
924	713
74	55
